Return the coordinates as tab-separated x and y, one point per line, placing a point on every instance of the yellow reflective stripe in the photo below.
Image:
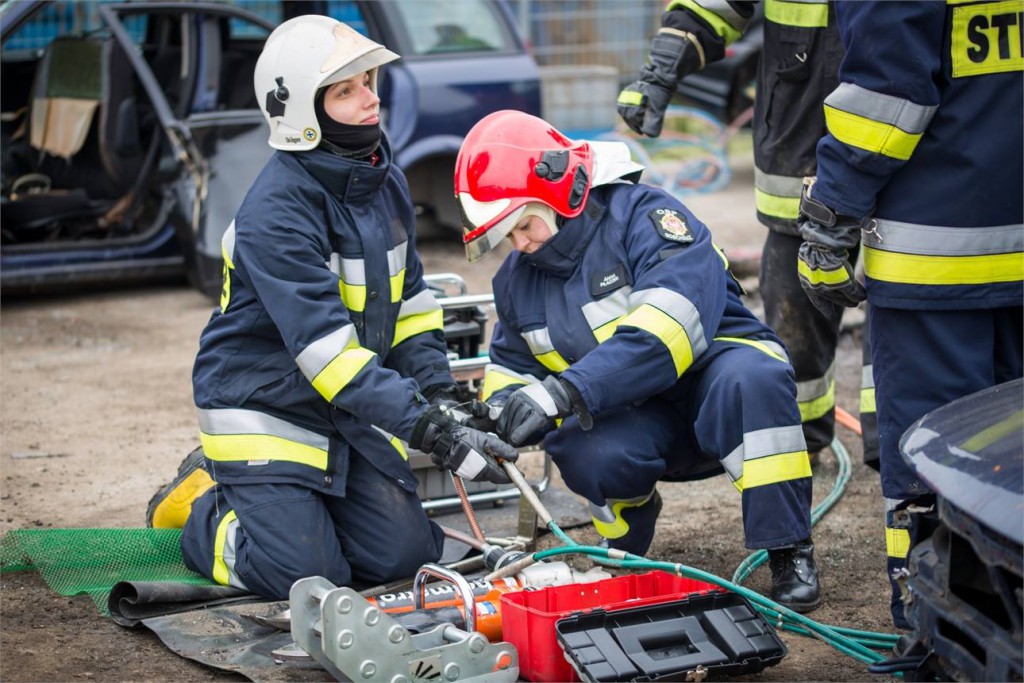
867	134
243	447
667	329
979	45
818	407
760	346
822	277
396	286
787	208
495	380
867	400
897	542
604	332
396	443
221	573
774	469
553	361
721	255
340	371
417	324
630	98
917	269
808	15
986	437
354	296
717	23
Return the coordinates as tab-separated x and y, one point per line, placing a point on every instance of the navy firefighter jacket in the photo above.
326	331
621	301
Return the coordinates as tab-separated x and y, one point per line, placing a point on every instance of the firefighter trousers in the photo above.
923	360
811	339
263	537
737	412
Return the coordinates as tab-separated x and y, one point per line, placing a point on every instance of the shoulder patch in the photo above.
671	225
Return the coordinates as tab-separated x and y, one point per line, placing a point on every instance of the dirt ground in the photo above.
97	413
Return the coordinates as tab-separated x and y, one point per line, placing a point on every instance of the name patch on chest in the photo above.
608	280
671	225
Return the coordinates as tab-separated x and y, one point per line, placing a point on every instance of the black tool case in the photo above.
716	634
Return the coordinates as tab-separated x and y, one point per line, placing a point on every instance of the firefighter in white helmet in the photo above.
617	317
326	355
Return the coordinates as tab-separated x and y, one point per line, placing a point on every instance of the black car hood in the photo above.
971	452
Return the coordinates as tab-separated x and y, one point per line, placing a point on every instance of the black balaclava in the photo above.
344	139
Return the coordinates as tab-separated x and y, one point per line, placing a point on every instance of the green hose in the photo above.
851	642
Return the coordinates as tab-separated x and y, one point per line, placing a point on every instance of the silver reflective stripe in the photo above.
541	397
934	240
225	421
539	341
227	243
353	271
895	111
602	512
726	12
810	389
679	308
334	265
501	369
612	307
867	378
320	353
774	346
424	302
892	503
763	443
396	258
778	185
229	557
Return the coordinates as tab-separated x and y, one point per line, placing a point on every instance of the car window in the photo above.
66	18
432	27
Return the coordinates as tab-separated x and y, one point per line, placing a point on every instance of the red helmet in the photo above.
508	160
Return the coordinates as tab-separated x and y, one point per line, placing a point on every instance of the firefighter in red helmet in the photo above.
623	345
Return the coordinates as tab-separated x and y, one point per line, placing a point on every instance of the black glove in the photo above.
673	56
482	416
823	265
441	394
469	453
532	410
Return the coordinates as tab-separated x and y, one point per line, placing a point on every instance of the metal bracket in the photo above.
355	641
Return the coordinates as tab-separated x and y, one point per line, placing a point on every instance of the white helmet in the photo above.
301	56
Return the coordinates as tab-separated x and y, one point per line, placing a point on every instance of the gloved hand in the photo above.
643	102
534	409
823	265
482	416
469	453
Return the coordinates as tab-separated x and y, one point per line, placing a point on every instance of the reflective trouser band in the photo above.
497	378
912	253
765	346
867	390
897	542
876	122
816	397
768	456
777	196
224	551
608	519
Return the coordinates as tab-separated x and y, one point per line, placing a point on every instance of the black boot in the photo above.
795	577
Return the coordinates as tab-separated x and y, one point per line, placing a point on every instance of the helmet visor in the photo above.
485	224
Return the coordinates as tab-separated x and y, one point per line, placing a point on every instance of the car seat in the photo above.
83	150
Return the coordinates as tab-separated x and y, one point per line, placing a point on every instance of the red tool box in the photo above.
529	616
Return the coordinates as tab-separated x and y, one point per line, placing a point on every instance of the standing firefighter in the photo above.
312	373
797	70
923	164
617	316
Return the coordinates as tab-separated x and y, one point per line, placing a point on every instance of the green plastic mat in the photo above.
91	561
